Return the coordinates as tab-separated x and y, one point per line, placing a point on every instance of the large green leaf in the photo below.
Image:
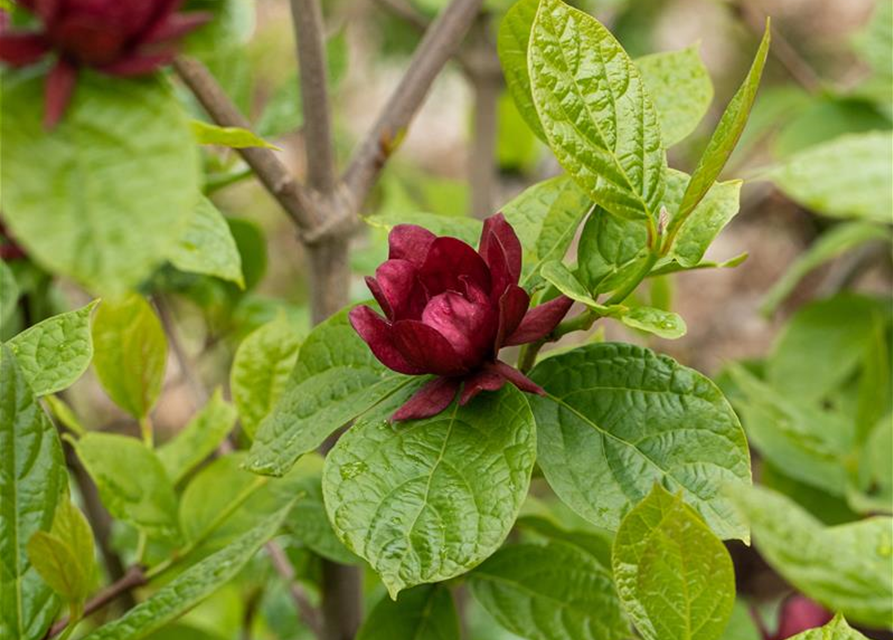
192	586
84	199
724	138
512	44
9	292
132	482
335	380
261	369
595	111
32	482
208	246
54	353
130	353
425	612
550	592
848	177
198	439
427	500
675	578
837	629
611	250
846	567
616	418
680	87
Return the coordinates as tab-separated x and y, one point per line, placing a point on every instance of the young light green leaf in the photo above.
9	292
261	369
64	556
132	482
426	611
54	353
208	246
724	138
232	137
837	629
130	353
664	268
192	586
611	251
617	418
595	111
327	388
675	578
831	244
84	198
512	44
198	439
32	483
427	500
560	277
680	88
848	177
664	324
550	592
464	228
845	568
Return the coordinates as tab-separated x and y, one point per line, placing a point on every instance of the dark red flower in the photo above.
450	309
796	615
117	37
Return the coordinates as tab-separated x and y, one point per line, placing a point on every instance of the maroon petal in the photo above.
496	227
426	349
501	277
22	49
58	89
483	380
428	401
447	261
137	64
539	321
397	289
512	305
798	614
410	242
379	335
517	378
470	328
176	26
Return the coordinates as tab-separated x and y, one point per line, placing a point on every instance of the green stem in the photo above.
75	613
146	430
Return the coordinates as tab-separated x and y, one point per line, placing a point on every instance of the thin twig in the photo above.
284	568
132	579
274	175
173	338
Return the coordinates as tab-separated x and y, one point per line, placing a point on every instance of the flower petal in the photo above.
410	242
517	378
22	49
483	380
540	321
428	401
379	335
137	64
426	349
397	289
447	261
497	228
58	89
470	328
512	305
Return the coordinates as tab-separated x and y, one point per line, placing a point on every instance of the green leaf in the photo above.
873	43
845	178
595	542
550	592
261	369
559	276
831	244
466	229
611	250
545	217
32	483
232	137
674	267
617	418
873	490
54	353
132	482
845	568
595	111
9	292
335	380
204	433
664	324
425	612
680	88
192	586
84	198
511	44
427	500
64	556
724	138
741	625
208	246
837	629
675	578
130	353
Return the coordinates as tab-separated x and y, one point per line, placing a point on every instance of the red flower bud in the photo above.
117	37
449	310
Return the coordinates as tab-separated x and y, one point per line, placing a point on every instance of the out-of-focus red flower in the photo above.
117	37
796	615
450	309
9	249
